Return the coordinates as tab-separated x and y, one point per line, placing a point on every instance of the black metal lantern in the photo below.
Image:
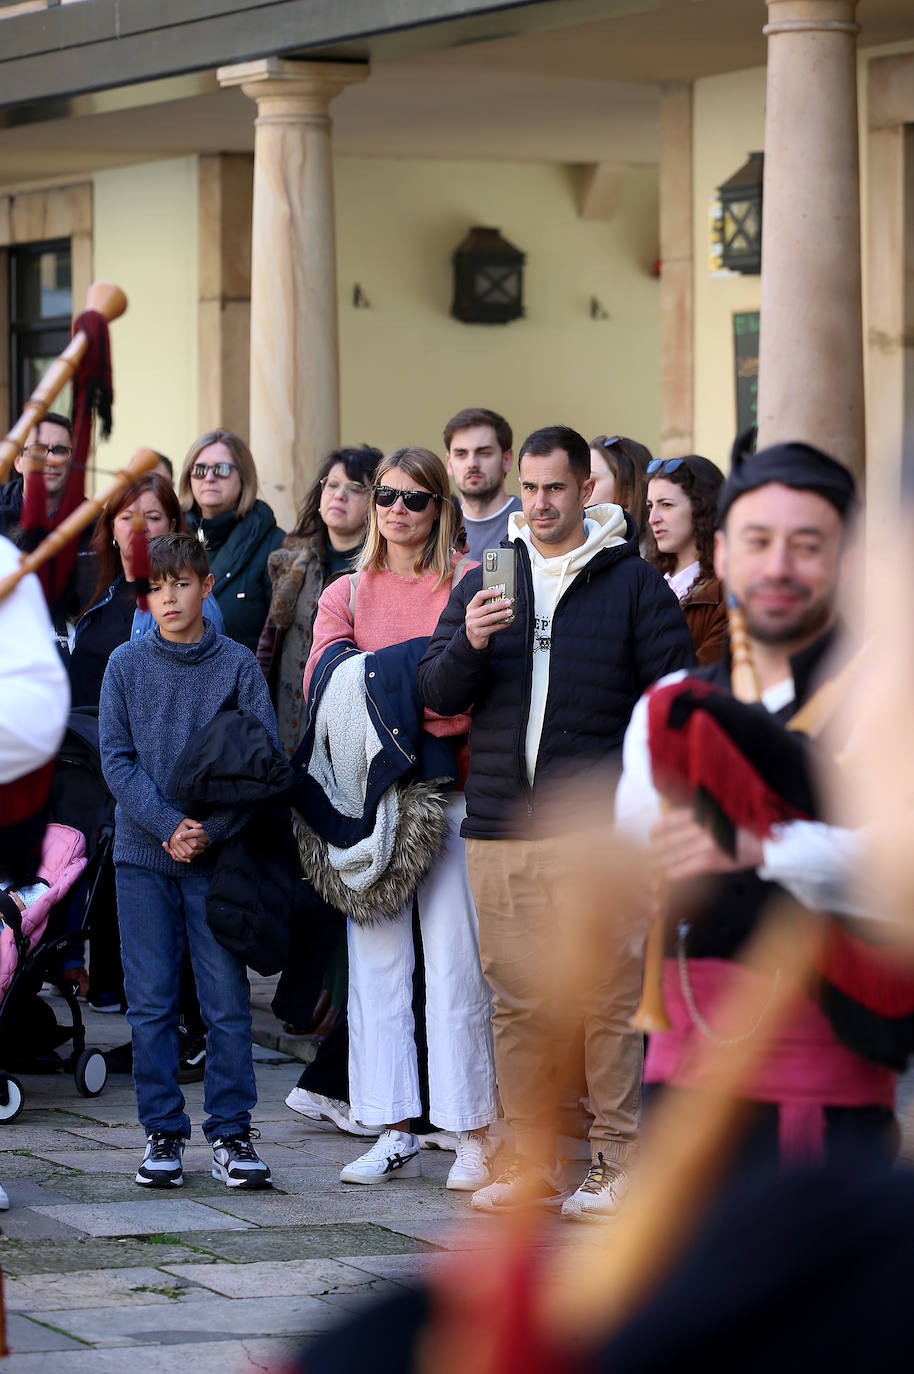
488	279
741	216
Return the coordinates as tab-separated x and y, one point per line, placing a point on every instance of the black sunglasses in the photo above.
412	500
220	470
663	465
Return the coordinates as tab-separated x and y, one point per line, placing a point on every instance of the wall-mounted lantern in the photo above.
488	279
741	218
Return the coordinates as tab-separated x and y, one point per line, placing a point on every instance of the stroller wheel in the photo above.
90	1073
11	1108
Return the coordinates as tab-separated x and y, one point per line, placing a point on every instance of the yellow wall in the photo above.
728	124
145	239
407	365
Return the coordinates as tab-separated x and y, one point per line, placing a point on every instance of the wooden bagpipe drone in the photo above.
51	540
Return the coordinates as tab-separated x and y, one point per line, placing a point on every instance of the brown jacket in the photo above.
706	616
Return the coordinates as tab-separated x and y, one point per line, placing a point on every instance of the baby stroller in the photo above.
30	955
35	947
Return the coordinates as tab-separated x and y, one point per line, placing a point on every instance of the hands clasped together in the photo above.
187	842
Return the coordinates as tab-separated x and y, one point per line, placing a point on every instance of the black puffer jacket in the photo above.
616	629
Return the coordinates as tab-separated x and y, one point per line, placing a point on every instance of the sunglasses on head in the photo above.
607	441
663	466
220	470
412	500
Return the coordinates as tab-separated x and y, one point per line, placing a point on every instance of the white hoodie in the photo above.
605	528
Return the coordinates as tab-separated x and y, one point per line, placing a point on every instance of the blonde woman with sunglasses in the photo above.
404	578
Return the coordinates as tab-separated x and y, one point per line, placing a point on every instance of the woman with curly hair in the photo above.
682	516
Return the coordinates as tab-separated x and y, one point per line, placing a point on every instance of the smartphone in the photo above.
499	570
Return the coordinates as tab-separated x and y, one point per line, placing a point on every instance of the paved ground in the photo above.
201	1278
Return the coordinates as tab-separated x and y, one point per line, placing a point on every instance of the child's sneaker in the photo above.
395	1154
161	1166
237	1163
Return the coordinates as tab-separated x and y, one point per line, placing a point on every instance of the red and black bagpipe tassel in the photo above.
139	558
742	770
92	395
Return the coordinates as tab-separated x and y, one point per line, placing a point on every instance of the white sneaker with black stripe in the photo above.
162	1163
395	1154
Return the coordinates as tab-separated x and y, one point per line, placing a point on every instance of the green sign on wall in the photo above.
745	358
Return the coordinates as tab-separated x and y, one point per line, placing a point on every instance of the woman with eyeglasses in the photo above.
618	467
682	504
111	616
327	538
218	491
403	579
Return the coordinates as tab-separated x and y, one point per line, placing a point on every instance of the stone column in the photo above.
224	197
294	389
811	351
676	270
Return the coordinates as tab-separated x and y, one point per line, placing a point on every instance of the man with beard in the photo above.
478	444
783	551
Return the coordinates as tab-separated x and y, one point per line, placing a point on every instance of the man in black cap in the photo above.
784	551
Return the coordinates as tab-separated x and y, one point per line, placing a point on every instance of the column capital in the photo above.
309	86
805	16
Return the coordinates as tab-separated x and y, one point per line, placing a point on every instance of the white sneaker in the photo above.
470	1169
438	1140
395	1154
599	1196
4	1200
320	1108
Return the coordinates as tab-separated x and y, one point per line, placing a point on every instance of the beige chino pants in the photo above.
521	892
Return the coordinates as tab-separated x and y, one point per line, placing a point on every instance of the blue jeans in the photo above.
158	917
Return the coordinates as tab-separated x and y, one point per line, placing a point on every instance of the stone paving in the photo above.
201	1278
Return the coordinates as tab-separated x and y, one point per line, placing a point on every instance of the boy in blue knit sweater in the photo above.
158	691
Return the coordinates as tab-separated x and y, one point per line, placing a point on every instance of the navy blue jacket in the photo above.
396	711
239	550
616	629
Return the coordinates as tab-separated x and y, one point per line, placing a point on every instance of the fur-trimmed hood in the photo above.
368	829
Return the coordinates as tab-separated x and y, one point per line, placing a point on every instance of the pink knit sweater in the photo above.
388	610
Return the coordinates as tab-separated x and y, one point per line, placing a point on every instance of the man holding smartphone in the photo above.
551	680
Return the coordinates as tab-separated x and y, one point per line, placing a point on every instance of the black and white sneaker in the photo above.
395	1154
237	1163
161	1166
191	1056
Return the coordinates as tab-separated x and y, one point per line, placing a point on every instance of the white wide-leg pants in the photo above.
383	1072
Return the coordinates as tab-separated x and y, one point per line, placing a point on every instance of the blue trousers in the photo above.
159	917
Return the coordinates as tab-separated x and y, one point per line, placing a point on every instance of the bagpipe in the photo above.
740	769
86	363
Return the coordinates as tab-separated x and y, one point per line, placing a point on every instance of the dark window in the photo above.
41	307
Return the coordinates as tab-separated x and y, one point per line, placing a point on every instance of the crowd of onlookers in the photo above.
432	714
